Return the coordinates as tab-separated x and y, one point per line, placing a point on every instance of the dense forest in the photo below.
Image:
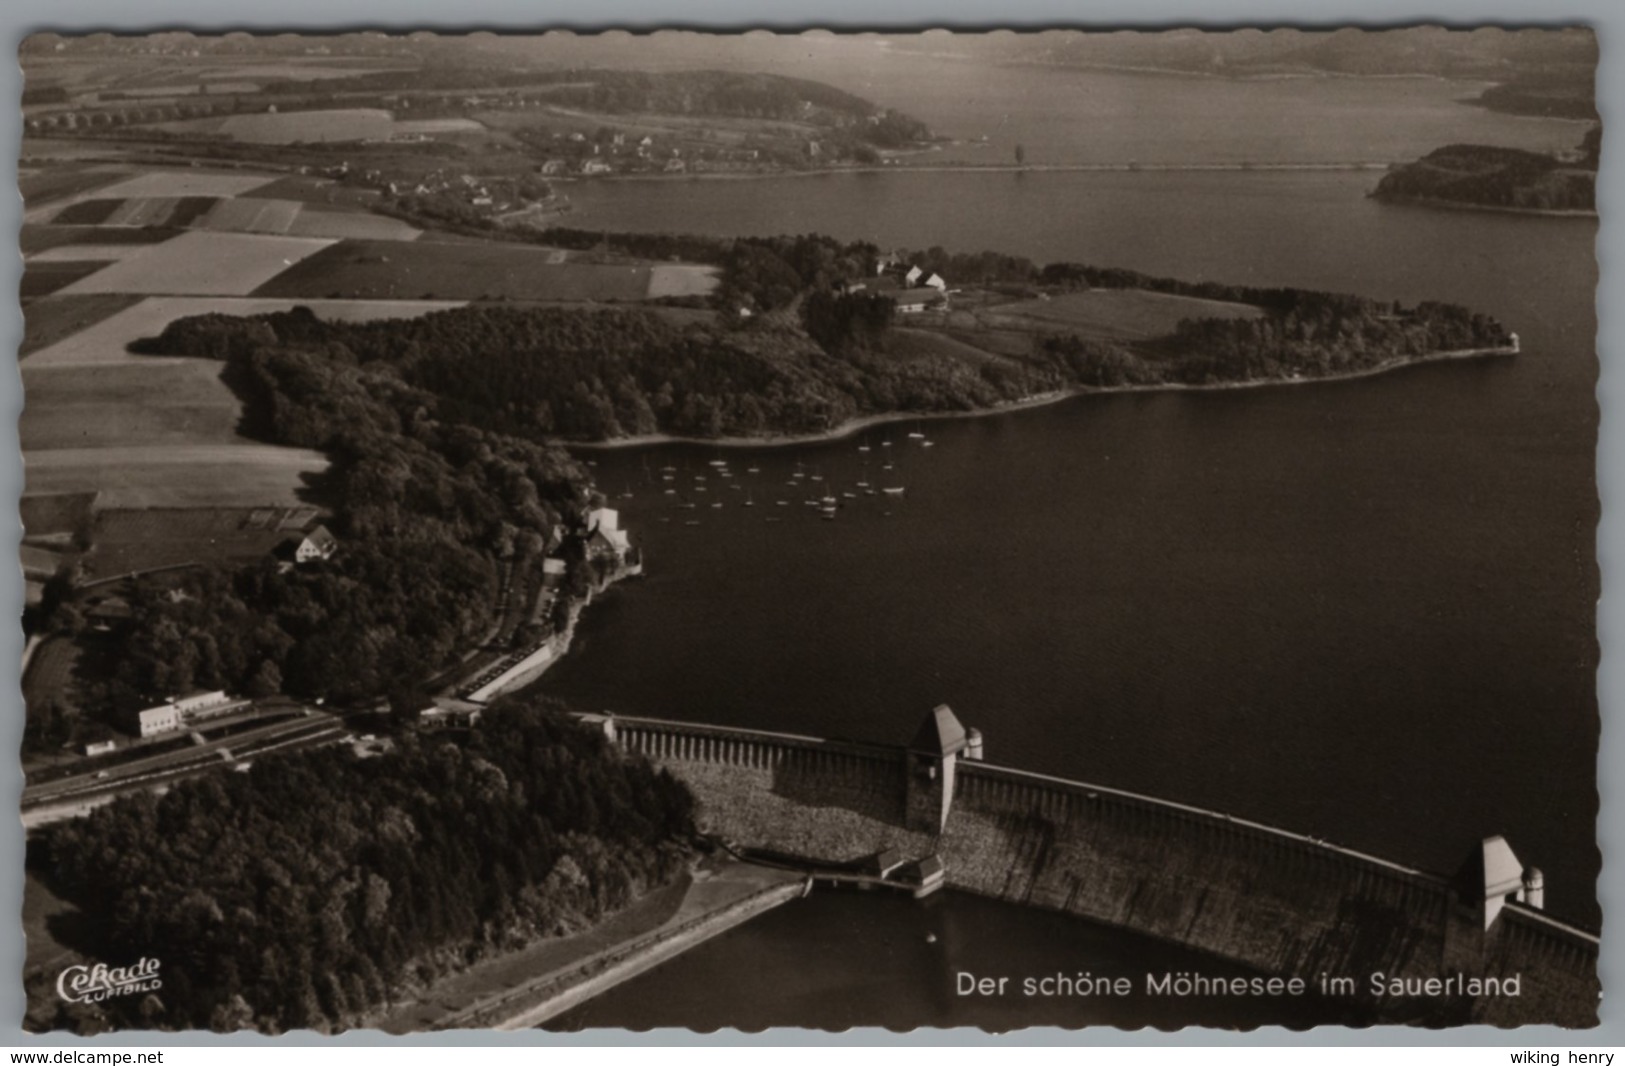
426	508
319	887
1507	178
820	359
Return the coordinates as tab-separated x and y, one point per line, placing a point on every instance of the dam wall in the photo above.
1282	903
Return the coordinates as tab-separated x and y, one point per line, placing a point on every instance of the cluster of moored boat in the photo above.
706	491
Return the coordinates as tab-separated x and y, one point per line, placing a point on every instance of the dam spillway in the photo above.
1278	902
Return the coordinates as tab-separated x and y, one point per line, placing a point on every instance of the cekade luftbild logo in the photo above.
92	984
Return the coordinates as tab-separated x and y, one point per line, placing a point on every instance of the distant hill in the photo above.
1491	54
1478	175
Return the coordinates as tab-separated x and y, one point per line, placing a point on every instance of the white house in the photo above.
936	281
913	276
161	719
915	301
319	543
203	705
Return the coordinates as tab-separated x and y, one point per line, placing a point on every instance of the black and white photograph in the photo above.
689	530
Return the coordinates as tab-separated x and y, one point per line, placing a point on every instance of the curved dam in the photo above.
1407	945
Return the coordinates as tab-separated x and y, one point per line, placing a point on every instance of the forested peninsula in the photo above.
792	344
444	430
1506	179
318	888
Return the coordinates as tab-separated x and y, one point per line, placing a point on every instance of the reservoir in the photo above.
1362	610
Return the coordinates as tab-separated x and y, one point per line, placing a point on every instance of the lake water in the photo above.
1360	610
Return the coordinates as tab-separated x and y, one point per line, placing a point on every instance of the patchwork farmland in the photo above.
466	271
134	462
219	264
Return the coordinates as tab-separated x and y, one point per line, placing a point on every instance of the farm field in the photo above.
65	516
91	203
84	253
105	341
1110	314
195	475
53	183
130	541
246	214
34	239
347	124
314	222
114	406
202	263
684	279
482	271
47	278
179	183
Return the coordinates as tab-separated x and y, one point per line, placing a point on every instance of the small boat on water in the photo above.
716	505
863	484
893	490
885	444
863	447
928	444
828	516
718	463
754	470
692	522
916	435
670	492
667	477
782	503
750	501
888	466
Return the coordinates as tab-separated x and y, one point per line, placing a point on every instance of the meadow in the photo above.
202	263
130	541
361	269
196	475
347	124
1109	314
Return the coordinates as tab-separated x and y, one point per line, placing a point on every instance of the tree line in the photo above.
1499	177
320	887
426	508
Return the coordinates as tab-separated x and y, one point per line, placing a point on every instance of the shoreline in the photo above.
854	426
1462	205
996	168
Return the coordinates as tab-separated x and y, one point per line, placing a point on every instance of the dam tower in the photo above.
931	756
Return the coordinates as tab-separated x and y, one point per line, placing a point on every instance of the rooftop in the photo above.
940	734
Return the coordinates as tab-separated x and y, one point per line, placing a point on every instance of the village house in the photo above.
605	536
319	543
919	300
182	711
156	720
